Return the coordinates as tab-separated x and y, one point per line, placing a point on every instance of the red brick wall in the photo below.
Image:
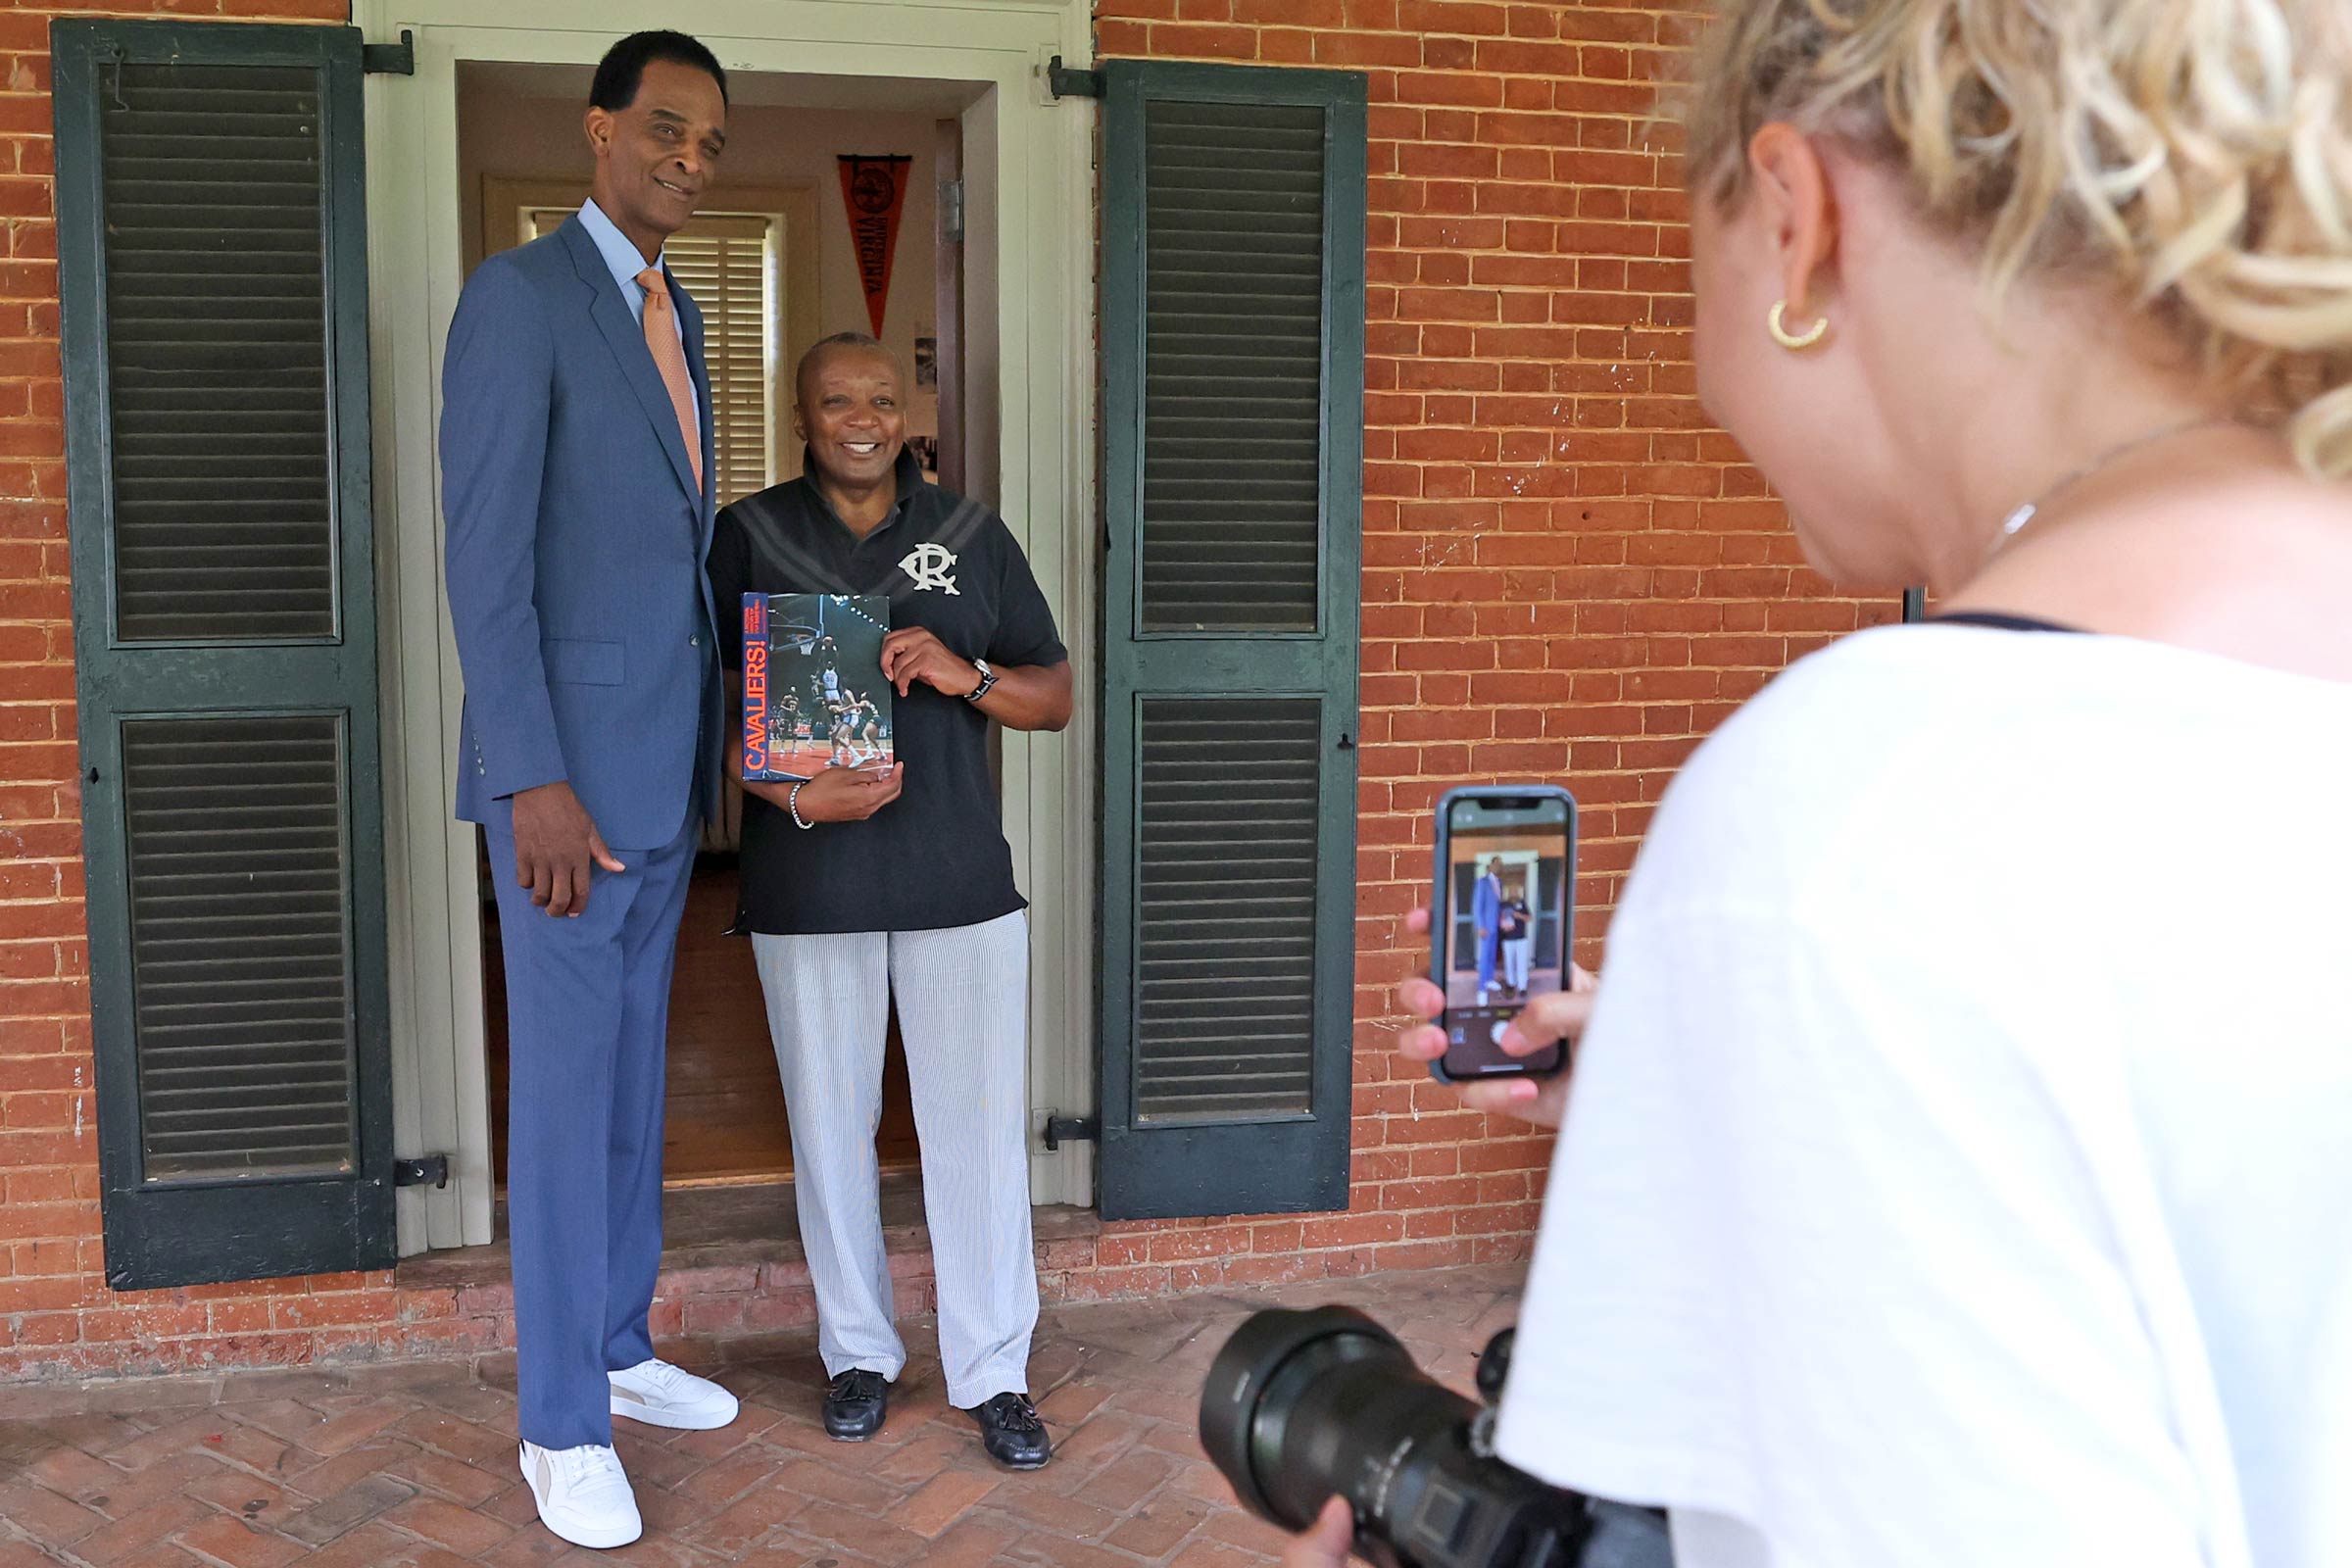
1566	577
1568	574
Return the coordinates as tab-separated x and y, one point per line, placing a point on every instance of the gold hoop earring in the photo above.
1778	323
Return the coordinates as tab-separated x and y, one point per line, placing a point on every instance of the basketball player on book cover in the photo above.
839	721
865	724
783	722
828	674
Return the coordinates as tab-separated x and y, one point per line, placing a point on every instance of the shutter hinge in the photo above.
1064	82
951	212
429	1170
390	59
1077	1129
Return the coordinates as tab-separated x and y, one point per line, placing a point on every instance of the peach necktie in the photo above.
670	357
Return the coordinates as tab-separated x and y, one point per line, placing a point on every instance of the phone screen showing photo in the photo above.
1508	871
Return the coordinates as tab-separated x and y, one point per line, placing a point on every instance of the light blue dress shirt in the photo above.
621	255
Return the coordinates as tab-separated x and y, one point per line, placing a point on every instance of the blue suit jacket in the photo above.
575	545
1486	904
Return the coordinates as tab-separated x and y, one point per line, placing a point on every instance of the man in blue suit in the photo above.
1486	915
576	446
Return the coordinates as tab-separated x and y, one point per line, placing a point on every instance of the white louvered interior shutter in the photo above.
724	261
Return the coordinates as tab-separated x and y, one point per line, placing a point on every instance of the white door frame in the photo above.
1035	231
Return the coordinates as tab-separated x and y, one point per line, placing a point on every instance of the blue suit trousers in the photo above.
587	1016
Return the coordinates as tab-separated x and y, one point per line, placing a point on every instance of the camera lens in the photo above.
1302	1405
1263	1413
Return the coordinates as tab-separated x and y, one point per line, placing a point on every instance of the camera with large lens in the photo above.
1302	1406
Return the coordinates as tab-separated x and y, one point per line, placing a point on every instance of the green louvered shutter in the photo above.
211	258
1233	343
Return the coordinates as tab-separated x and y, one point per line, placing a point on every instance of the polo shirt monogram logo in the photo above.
928	564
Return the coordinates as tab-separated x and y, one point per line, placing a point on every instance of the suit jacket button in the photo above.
695	641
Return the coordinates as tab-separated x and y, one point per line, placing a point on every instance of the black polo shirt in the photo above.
936	856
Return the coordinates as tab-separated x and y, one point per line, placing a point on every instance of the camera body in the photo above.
1300	1405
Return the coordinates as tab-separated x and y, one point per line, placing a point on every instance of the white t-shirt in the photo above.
1959	1167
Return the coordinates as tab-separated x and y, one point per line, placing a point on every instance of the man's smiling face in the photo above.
655	158
852	415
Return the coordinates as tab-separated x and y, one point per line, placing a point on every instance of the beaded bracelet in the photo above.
792	804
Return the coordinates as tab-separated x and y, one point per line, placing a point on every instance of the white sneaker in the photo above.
663	1395
583	1496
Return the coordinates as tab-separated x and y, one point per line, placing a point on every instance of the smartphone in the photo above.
1501	912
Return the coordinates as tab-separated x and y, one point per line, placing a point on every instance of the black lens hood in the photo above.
1244	1370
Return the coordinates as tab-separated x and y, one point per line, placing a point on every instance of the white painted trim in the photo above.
1038	234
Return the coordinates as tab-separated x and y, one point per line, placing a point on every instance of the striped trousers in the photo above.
964	997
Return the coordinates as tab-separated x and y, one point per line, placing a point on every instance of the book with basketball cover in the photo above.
813	694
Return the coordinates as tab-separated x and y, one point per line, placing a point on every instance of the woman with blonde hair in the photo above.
1956	1163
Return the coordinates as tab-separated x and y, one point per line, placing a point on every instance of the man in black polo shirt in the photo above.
867	883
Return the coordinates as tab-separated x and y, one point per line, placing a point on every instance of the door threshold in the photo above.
733	1226
904	1164
689	1184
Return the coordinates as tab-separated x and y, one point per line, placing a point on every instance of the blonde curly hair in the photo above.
2196	153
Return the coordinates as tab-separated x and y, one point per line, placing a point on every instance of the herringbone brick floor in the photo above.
413	1466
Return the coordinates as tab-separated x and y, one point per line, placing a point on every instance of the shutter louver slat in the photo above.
1233	278
1225	893
216	323
240	954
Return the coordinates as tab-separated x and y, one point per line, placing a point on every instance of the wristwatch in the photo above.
988	678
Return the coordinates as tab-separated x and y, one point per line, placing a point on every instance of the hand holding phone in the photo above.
1557	1015
1503	906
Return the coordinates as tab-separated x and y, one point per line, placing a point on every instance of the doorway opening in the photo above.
772	263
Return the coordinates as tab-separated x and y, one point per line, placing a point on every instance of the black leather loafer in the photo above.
854	1405
1012	1433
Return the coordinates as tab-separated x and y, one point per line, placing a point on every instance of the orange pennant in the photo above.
874	189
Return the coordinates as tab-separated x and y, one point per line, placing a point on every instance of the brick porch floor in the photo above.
413	1466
